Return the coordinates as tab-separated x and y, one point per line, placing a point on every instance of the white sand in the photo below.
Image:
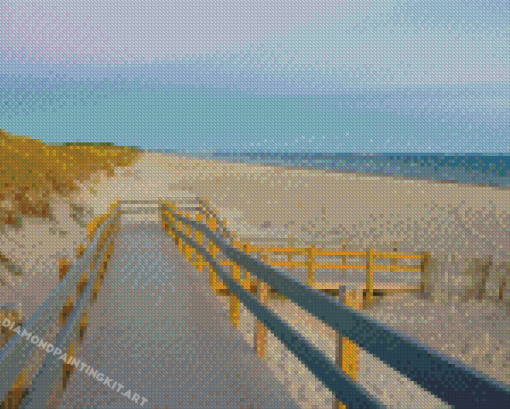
457	223
260	201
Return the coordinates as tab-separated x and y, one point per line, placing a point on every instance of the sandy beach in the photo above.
456	223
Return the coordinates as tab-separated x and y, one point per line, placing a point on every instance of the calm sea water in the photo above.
461	168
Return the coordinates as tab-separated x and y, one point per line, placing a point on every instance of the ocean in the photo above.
466	168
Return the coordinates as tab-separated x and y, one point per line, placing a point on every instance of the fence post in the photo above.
290	245
502	287
67	368
97	287
344	248
80	250
19	390
425	273
347	352
261	335
66	310
83	326
311	265
485	276
81	285
224	228
265	257
370	278
394	265
63	268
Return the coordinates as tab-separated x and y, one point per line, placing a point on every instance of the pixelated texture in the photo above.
316	78
157	328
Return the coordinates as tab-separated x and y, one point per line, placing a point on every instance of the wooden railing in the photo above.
422	365
312	265
17	380
347	352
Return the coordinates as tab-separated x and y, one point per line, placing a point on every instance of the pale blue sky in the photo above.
270	48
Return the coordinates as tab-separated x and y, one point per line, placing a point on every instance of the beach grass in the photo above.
31	172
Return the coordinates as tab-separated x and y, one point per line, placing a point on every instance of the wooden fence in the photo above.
347	352
16	392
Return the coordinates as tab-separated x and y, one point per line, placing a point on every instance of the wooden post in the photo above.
370	278
212	248
97	287
344	248
290	245
83	326
67	368
394	265
485	276
425	272
21	389
66	310
14	397
174	230
80	250
347	352
225	235
81	285
189	231
211	223
200	237
265	257
91	229
503	280
236	272
200	262
186	248
212	276
63	268
311	265
261	335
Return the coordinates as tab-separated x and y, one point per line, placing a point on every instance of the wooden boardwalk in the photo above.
158	329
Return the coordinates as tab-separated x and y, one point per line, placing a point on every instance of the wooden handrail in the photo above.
347	351
73	292
347	355
318	305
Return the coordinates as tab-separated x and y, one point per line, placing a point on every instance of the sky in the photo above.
324	76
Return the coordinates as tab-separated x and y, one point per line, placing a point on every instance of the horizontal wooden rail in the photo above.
313	358
312	265
329	266
65	299
429	369
332	252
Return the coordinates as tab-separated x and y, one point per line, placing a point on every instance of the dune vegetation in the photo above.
31	172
